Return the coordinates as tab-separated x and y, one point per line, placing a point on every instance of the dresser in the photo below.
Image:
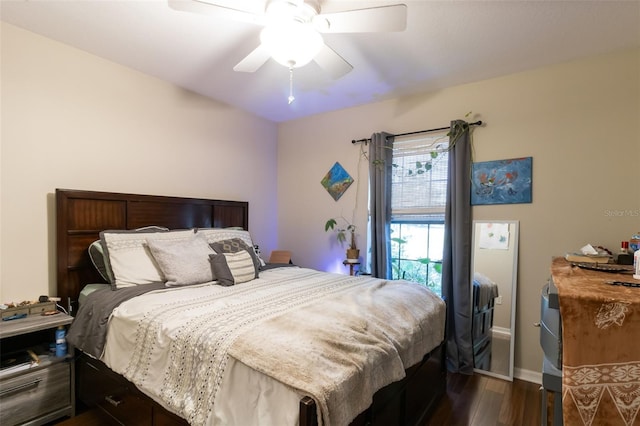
551	343
600	345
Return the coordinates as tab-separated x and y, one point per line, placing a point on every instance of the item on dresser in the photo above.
590	254
604	267
634	242
623	283
624	259
587	258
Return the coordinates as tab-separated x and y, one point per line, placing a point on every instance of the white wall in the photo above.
580	121
72	120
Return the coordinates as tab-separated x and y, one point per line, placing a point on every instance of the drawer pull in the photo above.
113	400
536	324
21	387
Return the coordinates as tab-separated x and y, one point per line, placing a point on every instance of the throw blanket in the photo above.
341	349
88	330
336	338
600	352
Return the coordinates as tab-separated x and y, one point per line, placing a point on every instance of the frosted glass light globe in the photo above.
292	44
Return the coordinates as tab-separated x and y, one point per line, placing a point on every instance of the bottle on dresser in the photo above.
634	242
634	248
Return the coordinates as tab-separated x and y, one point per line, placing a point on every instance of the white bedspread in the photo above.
334	337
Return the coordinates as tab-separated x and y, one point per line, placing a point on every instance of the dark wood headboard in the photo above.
81	215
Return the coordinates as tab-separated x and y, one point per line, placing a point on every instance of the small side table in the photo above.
351	265
42	392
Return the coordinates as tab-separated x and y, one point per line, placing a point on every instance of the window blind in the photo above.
419	178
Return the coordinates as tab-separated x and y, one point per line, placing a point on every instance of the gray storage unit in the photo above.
551	342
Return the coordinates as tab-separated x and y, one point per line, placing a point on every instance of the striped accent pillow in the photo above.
234	245
233	268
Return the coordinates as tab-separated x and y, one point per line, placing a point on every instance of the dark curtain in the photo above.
456	262
380	164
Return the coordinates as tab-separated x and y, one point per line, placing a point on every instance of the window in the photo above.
418	202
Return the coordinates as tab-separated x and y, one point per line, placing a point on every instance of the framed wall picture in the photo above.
336	181
501	181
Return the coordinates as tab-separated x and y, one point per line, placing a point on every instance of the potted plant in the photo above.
341	235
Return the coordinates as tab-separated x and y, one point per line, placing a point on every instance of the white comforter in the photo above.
198	350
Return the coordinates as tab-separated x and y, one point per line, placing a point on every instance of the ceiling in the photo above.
446	43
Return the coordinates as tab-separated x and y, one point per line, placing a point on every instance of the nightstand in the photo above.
40	393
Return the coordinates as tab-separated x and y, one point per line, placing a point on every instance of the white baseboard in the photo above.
500	332
528	375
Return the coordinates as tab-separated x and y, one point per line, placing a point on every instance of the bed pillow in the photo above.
235	245
183	262
218	234
98	259
129	256
213	235
233	268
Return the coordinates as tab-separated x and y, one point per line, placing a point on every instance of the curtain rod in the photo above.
366	141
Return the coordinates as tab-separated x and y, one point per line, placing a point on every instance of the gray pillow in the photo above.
96	254
233	268
183	262
234	245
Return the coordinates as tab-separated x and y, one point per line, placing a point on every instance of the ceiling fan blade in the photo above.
332	63
210	9
375	19
253	60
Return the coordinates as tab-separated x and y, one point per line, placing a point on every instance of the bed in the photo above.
400	392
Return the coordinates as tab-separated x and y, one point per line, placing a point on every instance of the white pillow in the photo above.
129	256
183	262
214	235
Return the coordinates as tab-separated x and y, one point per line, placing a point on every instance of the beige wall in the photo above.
73	120
580	122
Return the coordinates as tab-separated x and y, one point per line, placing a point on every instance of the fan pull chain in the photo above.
291	97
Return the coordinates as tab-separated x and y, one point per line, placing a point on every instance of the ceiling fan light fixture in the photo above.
302	10
293	44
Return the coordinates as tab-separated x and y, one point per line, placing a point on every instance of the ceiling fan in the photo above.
292	30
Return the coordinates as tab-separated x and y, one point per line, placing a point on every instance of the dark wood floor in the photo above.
480	400
476	400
